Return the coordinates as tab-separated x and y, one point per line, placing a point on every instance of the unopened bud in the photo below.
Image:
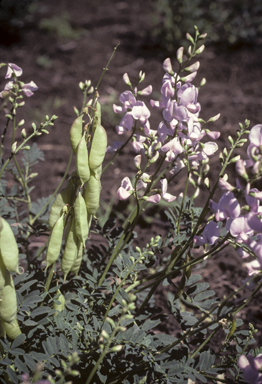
203	82
194	67
141	76
91	90
23	133
190	38
13	148
179	54
200	49
214	118
105	334
117	348
203	36
137	161
81	85
235	159
110	321
154	158
206	182
126	79
21	123
167	66
87	83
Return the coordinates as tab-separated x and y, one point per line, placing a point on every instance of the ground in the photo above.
57	65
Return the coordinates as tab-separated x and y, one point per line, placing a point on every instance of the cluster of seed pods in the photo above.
72	211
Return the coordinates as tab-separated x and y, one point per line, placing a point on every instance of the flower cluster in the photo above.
244	223
13	71
176	139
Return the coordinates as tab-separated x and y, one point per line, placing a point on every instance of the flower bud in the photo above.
117	348
190	38
179	54
126	79
137	161
23	133
81	85
203	82
141	76
167	66
200	49
214	118
13	148
194	67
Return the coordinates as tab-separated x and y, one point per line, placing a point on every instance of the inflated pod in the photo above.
82	165
76	132
77	263
55	242
8	247
71	250
61	306
8	303
12	330
98	148
92	194
66	196
81	224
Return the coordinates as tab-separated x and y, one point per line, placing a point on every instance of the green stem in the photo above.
205	342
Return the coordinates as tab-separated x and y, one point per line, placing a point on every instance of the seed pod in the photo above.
2	330
71	250
76	132
8	247
77	263
12	330
98	148
82	161
55	242
92	194
81	225
66	196
61	306
8	303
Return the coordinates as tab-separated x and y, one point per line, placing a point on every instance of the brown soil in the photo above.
57	65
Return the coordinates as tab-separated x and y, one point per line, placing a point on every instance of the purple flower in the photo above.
251	367
227	207
209	236
240	229
13	69
255	135
140	112
166	196
173	148
29	88
125	190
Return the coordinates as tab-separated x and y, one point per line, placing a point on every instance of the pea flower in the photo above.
29	88
209	236
13	68
125	190
251	367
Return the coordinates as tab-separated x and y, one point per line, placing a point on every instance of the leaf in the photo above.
21	366
12	375
40	311
18	341
206	360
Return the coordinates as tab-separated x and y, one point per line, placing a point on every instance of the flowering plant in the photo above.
89	312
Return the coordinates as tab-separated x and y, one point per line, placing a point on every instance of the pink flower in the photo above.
209	236
227	207
251	367
166	196
29	88
13	69
125	190
173	148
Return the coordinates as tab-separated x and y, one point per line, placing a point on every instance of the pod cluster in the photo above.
72	211
8	263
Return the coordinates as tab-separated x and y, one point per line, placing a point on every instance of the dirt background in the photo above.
57	64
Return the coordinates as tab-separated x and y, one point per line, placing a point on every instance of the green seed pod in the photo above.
82	161
8	247
2	329
76	132
3	273
55	242
81	225
98	148
77	263
12	330
92	194
66	196
61	306
71	250
8	303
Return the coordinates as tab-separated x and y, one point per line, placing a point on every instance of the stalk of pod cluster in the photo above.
75	206
8	263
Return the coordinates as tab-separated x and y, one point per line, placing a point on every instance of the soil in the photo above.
57	65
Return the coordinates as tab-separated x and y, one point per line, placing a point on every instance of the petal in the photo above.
154	199
13	68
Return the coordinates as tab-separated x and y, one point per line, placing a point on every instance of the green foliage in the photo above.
228	22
